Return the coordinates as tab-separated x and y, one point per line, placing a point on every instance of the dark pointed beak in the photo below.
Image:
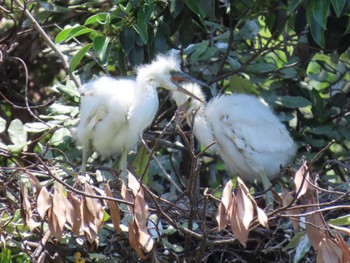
179	76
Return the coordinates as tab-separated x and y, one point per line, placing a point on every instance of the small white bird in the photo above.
250	139
114	112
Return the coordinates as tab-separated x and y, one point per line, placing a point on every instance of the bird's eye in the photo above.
171	72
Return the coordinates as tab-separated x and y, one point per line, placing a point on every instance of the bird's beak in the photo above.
185	91
181	76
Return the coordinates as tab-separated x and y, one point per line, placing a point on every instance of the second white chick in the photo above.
250	139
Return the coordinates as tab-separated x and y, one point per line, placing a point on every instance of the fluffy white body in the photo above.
249	138
115	112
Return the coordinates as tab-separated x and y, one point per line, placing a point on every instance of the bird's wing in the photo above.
104	106
248	123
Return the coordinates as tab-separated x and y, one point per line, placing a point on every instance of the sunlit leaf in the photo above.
60	136
2	125
97	18
17	133
78	57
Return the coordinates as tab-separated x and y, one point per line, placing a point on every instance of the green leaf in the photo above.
136	55
78	57
127	40
173	247
58	109
194	6
176	7
102	48
338	6
292	101
241	85
99	18
294	5
69	33
140	164
2	125
145	12
36	127
186	31
69	89
5	255
208	7
141	29
17	133
60	136
317	32
340	221
320	12
261	67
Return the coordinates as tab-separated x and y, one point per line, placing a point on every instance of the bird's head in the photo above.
164	71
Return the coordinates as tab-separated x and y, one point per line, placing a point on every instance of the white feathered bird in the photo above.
250	139
114	112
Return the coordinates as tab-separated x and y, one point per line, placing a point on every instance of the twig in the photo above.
80	192
161	167
49	42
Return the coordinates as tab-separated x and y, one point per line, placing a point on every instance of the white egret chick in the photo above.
250	139
114	112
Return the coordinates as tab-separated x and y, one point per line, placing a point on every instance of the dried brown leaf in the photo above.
237	227
114	210
344	248
77	210
59	205
298	180
127	196
245	208
328	252
221	217
262	217
26	208
226	198
94	206
314	224
287	198
133	240
43	202
141	218
133	184
88	222
54	225
34	182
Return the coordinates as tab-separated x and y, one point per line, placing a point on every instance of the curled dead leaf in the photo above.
328	252
43	202
301	184
77	209
26	208
287	198
114	210
315	224
133	240
237	227
223	216
141	218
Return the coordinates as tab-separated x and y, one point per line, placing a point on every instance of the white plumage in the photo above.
249	138
114	112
